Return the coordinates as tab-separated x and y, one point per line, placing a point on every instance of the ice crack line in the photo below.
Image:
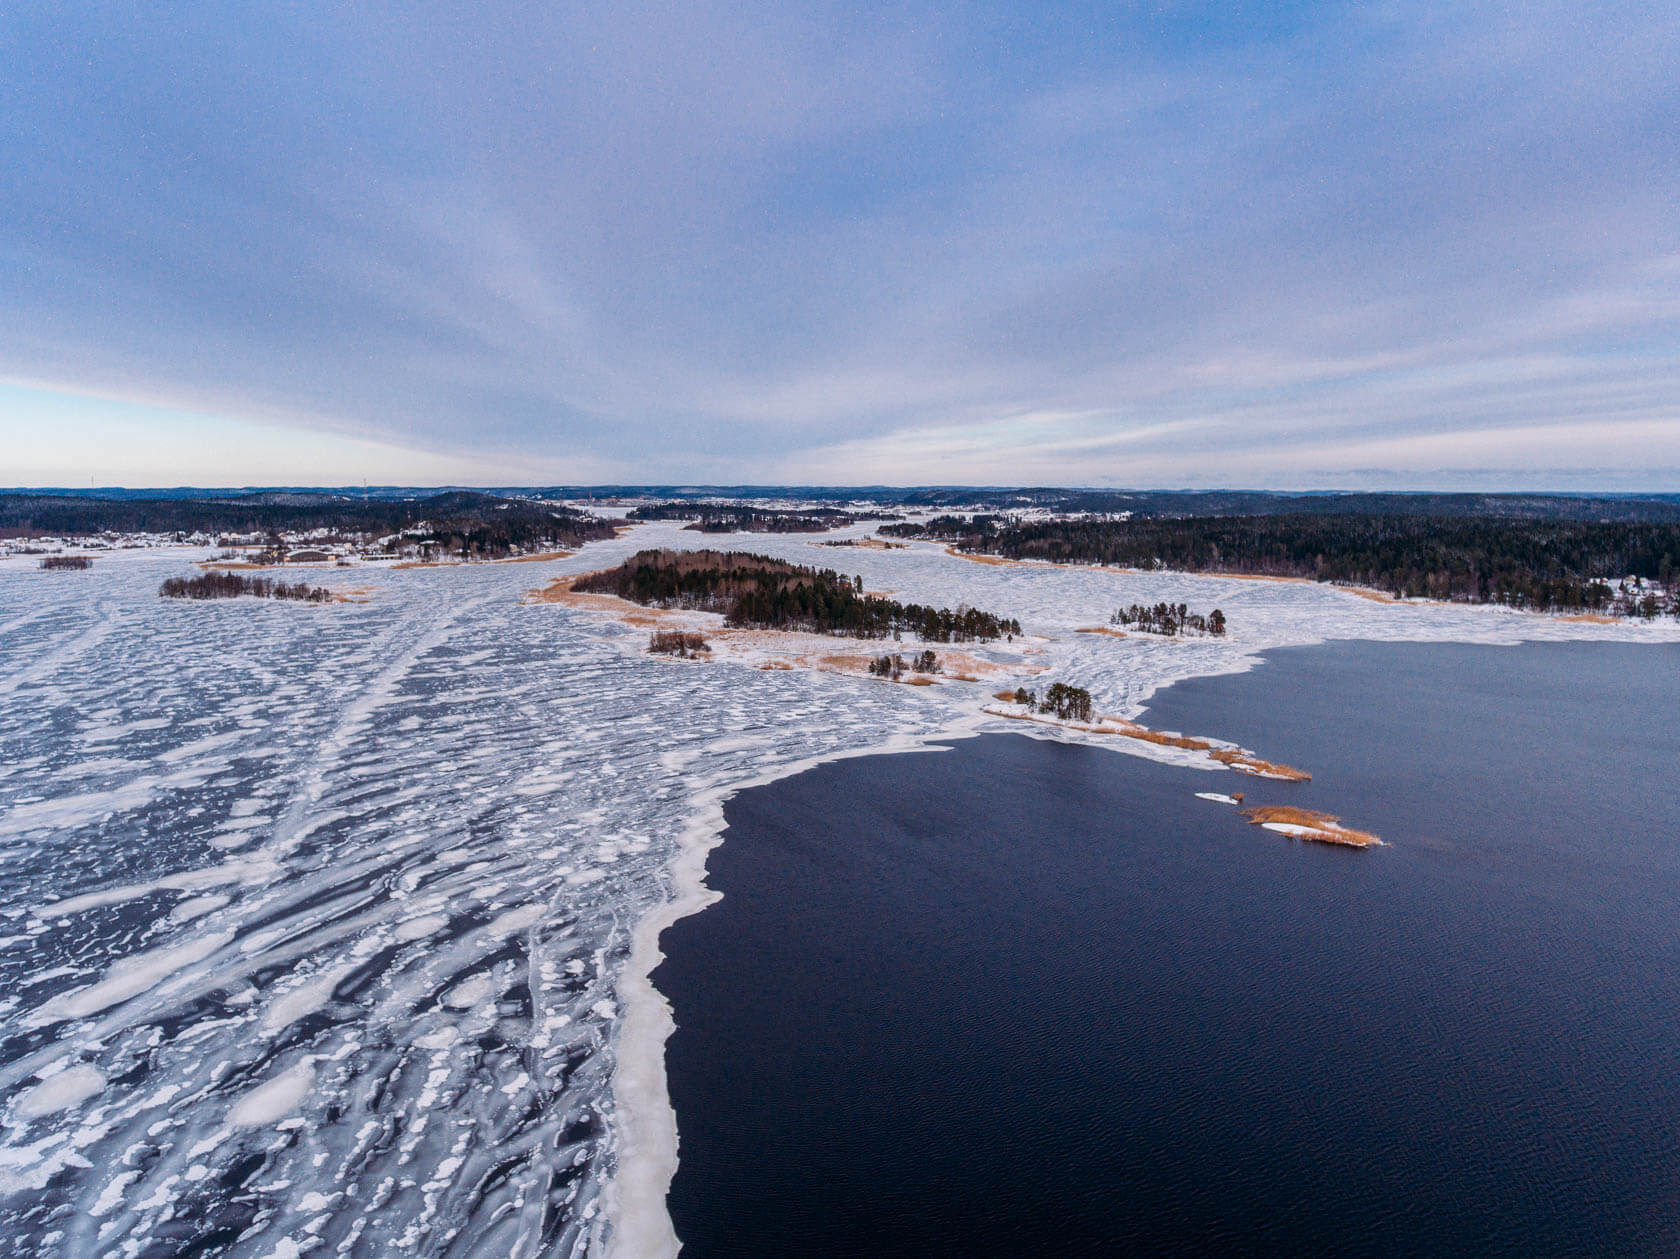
295	823
76	645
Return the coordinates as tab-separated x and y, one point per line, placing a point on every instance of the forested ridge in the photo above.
456	523
763	593
1546	565
728	518
1656	508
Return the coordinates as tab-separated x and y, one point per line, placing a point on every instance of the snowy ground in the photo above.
325	929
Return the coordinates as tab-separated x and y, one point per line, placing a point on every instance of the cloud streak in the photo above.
1199	245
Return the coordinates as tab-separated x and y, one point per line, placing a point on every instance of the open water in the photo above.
1023	997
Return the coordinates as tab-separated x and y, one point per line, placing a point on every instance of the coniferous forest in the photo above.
1070	703
1543	565
463	524
729	518
758	592
1169	619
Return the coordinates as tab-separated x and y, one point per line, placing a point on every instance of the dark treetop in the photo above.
456	523
765	593
1548	565
733	518
223	585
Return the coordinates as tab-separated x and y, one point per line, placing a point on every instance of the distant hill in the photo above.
456	512
337	506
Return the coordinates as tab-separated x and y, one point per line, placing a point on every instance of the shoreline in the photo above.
805	868
636	1217
785	649
636	1200
1369	593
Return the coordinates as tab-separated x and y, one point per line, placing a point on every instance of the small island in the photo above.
1310	824
1170	620
225	585
684	643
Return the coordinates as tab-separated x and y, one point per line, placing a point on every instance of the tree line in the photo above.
456	522
1542	565
763	593
894	666
1070	703
63	562
1207	503
715	518
218	584
683	643
522	533
1169	619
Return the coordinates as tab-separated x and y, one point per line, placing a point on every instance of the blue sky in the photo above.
1207	244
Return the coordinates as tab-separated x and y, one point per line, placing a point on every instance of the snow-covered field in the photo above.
325	929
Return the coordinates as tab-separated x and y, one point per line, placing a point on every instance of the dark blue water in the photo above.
1023	998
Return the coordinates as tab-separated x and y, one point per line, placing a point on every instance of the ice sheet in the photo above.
415	1006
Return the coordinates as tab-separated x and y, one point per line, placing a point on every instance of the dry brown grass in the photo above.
1293	581
1324	828
541	557
1100	629
561	591
538	558
1165	740
1247	764
974	558
1232	758
1589	618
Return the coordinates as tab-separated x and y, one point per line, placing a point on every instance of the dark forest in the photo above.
1543	565
763	593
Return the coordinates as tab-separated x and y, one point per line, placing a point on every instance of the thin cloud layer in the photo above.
1211	245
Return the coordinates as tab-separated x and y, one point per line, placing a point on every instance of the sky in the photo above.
1268	245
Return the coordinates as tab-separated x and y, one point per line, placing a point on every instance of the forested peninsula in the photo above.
756	591
455	524
1541	565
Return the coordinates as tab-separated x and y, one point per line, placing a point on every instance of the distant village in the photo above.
311	546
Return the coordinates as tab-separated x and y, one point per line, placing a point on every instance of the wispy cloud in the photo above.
951	244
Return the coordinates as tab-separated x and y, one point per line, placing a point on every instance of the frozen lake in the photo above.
318	925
